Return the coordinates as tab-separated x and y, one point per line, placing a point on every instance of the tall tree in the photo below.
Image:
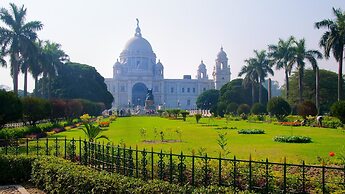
16	37
300	54
281	55
251	75
36	65
334	39
29	61
53	58
262	68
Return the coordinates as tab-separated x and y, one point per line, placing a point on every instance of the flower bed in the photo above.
251	131
290	123
292	139
104	124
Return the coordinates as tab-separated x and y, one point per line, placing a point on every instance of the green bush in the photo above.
10	108
198	117
278	107
184	114
35	109
258	109
15	169
332	124
306	108
232	108
243	108
292	139
338	110
251	131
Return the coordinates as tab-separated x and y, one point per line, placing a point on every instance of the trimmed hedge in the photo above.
292	139
251	131
15	169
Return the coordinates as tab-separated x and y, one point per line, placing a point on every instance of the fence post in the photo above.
193	158
47	149
130	162
37	146
144	163
17	145
181	168
303	176
65	148
267	181
112	157
103	162
124	159
250	172
170	168
152	155
86	153
235	171
136	162
161	165
80	157
118	159
220	170
56	147
284	183
323	177
27	146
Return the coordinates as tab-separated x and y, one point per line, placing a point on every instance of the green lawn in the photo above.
198	136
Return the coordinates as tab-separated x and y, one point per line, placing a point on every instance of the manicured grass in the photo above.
204	135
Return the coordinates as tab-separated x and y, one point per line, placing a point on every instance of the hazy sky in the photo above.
181	32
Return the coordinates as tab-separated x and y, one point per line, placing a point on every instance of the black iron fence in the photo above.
258	176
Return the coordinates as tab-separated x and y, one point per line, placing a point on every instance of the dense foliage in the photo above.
338	110
10	107
15	169
258	109
208	100
251	131
292	139
328	85
35	109
243	108
76	81
278	107
306	108
234	91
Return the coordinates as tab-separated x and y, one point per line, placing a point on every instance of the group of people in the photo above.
318	121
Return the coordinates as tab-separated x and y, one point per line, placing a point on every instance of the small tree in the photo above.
184	114
232	108
338	110
198	117
10	108
221	109
223	142
278	107
243	108
306	108
91	131
258	109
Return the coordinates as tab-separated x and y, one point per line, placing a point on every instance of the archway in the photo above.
139	92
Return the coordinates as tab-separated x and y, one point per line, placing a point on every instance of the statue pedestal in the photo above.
149	105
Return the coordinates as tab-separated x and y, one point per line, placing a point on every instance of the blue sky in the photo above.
181	32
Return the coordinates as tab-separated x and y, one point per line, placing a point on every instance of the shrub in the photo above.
278	107
306	108
198	117
15	169
10	108
58	107
258	109
338	110
332	124
292	139
184	114
35	109
232	108
251	131
221	109
243	108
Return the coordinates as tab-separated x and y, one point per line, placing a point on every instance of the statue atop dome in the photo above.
137	30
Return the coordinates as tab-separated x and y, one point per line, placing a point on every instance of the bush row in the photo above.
292	139
251	131
56	175
20	132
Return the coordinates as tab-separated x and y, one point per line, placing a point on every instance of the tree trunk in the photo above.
36	82
26	82
260	92
44	80
253	93
287	84
317	79
49	83
300	86
269	89
15	69
340	76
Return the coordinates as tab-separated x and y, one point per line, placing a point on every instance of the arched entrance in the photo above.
139	92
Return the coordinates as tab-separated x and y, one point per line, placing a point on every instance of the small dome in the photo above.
117	63
202	65
159	64
221	54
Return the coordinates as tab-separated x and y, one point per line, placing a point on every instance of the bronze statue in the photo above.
149	95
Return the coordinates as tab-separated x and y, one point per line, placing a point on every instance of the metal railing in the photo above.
258	176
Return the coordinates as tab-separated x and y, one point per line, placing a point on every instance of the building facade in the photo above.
138	70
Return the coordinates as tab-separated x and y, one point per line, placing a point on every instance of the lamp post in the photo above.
178	103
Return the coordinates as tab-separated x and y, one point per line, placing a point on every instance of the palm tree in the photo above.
29	61
263	68
334	39
300	54
281	55
93	132
3	62
17	37
36	65
251	75
52	59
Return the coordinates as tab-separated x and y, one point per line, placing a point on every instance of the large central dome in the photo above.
138	43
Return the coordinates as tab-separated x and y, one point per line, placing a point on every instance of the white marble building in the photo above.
137	70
